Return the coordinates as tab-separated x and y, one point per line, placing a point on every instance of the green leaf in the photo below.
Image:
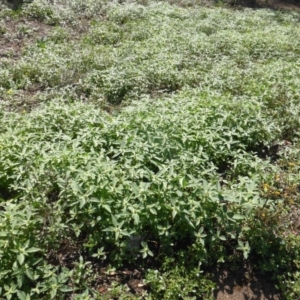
222	238
22	295
153	211
107	207
29	274
246	228
53	293
66	289
182	182
174	213
109	229
32	250
21	258
82	202
124	232
179	193
20	280
238	217
136	219
115	222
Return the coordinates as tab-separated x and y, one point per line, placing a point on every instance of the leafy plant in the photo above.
149	134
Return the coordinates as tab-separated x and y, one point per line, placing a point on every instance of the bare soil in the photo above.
244	284
285	5
291	5
20	33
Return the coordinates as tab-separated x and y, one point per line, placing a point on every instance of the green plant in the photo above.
196	159
178	283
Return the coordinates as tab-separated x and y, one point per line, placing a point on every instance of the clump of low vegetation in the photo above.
150	135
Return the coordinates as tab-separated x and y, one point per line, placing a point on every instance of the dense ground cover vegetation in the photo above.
151	135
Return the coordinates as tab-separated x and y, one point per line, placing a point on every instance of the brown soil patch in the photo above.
288	5
291	5
19	33
244	284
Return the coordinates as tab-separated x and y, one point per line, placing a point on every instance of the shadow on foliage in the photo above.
290	5
14	4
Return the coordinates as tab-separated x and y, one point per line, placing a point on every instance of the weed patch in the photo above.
195	166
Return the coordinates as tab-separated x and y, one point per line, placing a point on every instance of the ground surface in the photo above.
286	5
245	285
